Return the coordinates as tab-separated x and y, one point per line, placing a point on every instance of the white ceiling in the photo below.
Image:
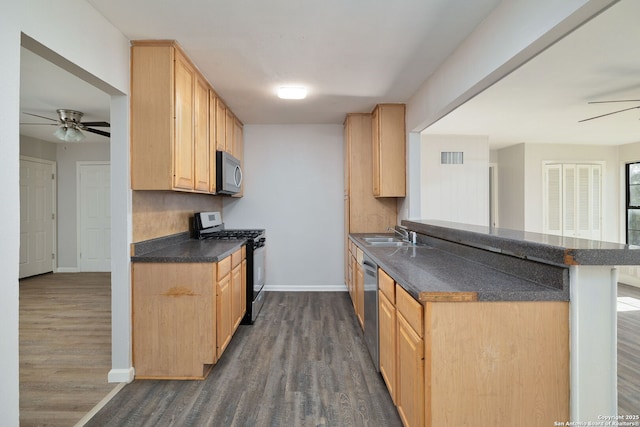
543	101
353	54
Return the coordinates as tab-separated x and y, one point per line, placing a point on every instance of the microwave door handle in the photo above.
238	171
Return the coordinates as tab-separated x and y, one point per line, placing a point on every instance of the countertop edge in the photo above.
191	255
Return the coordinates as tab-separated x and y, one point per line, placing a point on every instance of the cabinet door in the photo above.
229	133
183	127
410	374
359	291
213	101
173	319
388	135
201	144
236	296
224	320
221	120
387	327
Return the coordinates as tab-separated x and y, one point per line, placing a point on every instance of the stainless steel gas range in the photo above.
209	225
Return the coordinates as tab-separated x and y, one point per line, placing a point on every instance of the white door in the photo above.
37	216
94	216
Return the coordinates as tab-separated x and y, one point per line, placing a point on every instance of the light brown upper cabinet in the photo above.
177	121
162	117
389	158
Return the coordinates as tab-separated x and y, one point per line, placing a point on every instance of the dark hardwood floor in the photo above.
303	363
628	350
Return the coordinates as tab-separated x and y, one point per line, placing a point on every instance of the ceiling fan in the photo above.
70	125
613	112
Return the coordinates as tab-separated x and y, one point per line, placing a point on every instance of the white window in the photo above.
573	200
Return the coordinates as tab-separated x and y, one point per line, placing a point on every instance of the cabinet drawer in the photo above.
387	286
224	267
236	258
410	309
359	255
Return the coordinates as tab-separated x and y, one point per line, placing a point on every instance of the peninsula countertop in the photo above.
545	248
432	274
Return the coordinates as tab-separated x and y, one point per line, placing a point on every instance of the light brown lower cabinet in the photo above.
182	317
474	363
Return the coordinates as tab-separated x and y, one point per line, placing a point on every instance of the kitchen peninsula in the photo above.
512	327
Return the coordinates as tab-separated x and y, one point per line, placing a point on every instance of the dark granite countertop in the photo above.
433	274
545	248
180	248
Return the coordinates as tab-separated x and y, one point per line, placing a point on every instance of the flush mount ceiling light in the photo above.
292	92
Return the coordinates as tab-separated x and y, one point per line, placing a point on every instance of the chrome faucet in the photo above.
401	231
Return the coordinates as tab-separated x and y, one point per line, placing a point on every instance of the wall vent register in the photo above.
451	157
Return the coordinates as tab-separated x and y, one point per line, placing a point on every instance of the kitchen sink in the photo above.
380	239
390	243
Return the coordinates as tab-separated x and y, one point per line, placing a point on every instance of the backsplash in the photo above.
161	213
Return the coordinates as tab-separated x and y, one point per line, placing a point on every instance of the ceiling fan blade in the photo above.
41	124
99	124
608	114
99	132
42	117
619	100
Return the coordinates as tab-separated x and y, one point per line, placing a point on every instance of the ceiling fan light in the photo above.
60	133
292	92
73	135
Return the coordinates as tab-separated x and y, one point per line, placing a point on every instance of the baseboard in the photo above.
121	375
84	420
306	288
67	270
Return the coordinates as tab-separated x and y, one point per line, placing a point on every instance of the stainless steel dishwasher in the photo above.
370	270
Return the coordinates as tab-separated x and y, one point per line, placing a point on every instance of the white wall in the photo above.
512	34
36	148
294	189
91	45
511	203
460	192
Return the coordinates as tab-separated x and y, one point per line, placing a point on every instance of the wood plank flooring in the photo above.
303	363
629	351
65	346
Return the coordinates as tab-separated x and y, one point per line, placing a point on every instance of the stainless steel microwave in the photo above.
228	173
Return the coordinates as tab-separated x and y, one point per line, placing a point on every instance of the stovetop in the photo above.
231	234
